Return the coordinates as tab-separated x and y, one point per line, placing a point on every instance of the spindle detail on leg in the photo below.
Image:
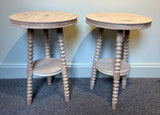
117	65
125	55
96	57
47	51
30	67
63	64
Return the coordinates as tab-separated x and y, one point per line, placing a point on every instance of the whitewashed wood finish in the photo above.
30	67
43	19
106	66
118	21
47	44
97	53
47	51
125	55
117	68
47	67
63	64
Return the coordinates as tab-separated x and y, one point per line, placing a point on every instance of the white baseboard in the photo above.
83	70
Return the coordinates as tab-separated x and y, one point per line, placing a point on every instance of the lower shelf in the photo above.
106	66
47	67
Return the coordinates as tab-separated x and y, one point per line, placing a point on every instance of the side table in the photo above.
49	66
123	23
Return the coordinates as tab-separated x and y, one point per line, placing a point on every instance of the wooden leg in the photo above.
125	55
117	65
98	48
63	64
47	50
30	67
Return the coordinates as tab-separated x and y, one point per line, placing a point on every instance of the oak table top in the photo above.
118	21
43	19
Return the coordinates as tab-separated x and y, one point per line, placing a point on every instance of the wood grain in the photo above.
47	51
63	64
43	19
118	21
47	67
125	55
30	67
117	68
106	66
97	53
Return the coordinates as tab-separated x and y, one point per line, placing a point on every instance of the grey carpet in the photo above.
141	97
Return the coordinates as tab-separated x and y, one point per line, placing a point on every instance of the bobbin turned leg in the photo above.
47	51
96	57
30	67
125	55
63	64
117	65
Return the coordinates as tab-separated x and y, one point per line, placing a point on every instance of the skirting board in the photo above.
83	70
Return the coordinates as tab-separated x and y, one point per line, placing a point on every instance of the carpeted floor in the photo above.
141	97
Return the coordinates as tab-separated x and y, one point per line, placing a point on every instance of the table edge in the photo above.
43	25
115	26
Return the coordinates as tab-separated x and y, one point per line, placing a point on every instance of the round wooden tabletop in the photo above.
43	19
118	21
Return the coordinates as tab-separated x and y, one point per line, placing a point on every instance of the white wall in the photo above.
80	40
